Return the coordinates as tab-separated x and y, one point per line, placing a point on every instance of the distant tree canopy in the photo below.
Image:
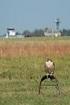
65	32
38	32
26	33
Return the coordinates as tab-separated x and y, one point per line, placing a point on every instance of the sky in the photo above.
33	14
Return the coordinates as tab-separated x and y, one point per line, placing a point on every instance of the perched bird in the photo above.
49	67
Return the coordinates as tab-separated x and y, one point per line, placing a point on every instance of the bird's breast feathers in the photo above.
49	64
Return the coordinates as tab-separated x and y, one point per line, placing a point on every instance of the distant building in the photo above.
10	32
57	34
51	32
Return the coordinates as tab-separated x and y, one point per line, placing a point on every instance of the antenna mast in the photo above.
57	24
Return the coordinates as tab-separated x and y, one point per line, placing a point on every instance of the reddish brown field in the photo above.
34	48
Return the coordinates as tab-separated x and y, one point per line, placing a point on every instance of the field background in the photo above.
22	66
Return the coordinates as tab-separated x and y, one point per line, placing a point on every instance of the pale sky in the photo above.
33	14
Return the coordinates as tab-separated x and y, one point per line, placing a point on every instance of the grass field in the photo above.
22	66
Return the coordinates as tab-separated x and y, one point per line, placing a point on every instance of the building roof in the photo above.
11	29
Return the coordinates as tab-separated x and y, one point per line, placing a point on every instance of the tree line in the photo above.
27	33
40	32
65	32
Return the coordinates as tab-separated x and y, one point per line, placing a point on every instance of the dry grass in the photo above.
9	48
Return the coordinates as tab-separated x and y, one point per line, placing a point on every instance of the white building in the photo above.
10	32
51	32
57	34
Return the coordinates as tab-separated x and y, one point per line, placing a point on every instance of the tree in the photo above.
27	33
65	32
38	32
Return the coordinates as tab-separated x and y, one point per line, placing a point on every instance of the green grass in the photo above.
19	81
